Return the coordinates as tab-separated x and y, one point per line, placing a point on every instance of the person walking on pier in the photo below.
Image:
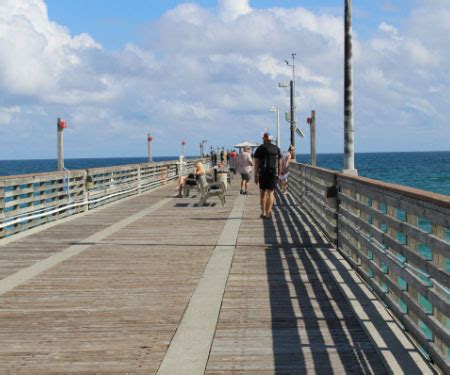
285	160
245	169
267	172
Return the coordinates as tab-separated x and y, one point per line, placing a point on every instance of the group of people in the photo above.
268	166
224	156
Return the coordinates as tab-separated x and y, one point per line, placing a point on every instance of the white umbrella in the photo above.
245	144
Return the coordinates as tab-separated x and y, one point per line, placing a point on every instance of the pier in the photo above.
105	271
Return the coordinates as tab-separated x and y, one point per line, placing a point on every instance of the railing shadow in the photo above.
313	327
397	348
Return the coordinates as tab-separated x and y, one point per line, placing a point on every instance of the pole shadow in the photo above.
313	327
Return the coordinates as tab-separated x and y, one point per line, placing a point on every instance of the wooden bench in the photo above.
190	183
208	190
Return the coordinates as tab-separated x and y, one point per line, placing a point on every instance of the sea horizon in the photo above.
195	156
426	170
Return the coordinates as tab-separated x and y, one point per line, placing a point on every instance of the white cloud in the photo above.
7	113
213	73
36	54
232	9
388	28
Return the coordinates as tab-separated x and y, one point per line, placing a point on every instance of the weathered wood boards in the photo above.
398	238
28	201
115	307
290	303
282	312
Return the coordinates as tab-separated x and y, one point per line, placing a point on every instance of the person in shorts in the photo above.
233	162
286	158
267	172
245	169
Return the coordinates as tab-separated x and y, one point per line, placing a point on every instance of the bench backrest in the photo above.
202	183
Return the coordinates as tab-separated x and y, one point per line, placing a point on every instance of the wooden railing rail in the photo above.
397	238
27	201
316	189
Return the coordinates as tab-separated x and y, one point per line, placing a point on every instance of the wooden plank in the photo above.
115	307
281	312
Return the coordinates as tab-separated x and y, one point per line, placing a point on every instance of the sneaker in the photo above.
245	193
241	192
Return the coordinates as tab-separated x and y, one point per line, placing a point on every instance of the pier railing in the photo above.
397	238
27	201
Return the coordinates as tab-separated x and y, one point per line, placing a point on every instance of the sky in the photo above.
209	70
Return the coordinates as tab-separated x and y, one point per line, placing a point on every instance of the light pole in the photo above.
60	126
273	109
349	147
293	109
149	147
202	148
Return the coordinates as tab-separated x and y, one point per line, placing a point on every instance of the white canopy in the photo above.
246	144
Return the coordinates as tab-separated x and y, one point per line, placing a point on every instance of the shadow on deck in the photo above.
313	325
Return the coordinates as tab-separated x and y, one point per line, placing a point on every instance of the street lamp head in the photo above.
283	84
272	109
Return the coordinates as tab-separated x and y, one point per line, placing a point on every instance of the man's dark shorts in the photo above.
245	176
267	181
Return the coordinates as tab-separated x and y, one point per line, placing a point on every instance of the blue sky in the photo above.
116	70
115	22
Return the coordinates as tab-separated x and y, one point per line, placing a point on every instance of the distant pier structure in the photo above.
103	270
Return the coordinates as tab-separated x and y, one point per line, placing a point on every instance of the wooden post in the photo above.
139	178
183	142
150	155
60	125
313	138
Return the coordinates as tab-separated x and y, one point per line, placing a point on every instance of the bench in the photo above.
208	190
190	183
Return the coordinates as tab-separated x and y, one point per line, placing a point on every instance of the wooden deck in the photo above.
117	290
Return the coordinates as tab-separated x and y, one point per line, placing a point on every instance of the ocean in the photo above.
423	170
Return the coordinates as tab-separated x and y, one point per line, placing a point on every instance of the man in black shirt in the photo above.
267	171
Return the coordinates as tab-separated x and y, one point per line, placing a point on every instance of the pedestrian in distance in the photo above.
267	172
233	162
245	163
213	157
286	158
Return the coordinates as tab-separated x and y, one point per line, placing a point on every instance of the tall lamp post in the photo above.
292	118
273	109
202	148
293	109
60	126
349	147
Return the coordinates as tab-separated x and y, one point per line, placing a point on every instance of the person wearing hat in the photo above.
245	169
267	172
